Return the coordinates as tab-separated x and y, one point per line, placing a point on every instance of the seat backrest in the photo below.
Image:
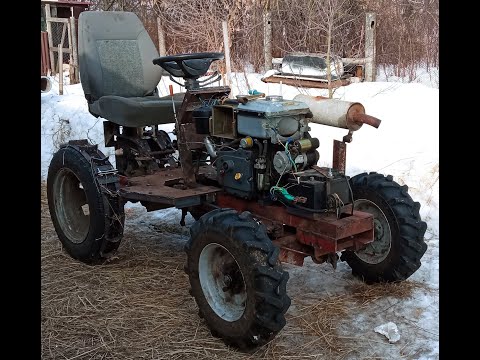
115	55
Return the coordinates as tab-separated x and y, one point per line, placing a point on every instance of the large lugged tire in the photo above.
399	243
236	278
88	216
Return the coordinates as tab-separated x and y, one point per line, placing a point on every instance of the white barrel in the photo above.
333	112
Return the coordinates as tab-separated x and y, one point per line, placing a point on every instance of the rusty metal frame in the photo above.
186	130
166	188
317	236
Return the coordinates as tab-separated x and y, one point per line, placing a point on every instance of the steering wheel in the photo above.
188	66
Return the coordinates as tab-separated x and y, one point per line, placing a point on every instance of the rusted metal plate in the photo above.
326	245
324	230
339	156
291	257
45	54
194	140
291	251
154	188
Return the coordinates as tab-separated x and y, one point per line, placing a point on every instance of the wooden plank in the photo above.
355	61
55	48
60	72
267	39
370	50
74	50
305	83
161	38
69	34
58	20
50	39
226	45
60	61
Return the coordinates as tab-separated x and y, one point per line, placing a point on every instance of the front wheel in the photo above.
236	278
399	243
87	215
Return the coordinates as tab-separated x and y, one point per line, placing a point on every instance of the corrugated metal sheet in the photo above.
45	54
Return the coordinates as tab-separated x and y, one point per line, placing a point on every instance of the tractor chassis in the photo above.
297	234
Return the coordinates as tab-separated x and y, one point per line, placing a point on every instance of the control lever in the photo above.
176	82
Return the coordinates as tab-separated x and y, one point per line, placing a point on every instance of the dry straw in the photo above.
137	306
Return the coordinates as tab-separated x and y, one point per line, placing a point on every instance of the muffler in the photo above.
337	113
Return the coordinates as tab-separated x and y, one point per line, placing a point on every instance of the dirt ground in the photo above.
137	306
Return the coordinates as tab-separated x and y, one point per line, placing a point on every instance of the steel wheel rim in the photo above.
378	250
222	282
71	206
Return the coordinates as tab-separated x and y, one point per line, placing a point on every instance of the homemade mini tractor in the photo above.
244	167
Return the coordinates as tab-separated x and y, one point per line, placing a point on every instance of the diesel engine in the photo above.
261	149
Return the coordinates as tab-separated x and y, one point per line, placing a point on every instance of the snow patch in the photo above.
390	331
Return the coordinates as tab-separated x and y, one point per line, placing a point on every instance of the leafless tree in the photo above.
407	30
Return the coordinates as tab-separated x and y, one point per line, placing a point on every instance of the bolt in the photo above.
227	282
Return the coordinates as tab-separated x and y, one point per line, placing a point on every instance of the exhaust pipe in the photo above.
46	85
338	113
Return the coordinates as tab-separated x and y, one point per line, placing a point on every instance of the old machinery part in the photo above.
235	172
273	118
201	117
210	147
305	145
338	113
328	190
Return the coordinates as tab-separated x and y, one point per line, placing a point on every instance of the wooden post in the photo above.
60	70
370	50
74	53
226	45
60	61
161	38
267	39
50	38
71	69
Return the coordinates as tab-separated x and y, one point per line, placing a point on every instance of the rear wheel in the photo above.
399	243
88	221
236	278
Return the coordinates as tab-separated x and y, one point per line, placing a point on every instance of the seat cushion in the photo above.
115	55
137	111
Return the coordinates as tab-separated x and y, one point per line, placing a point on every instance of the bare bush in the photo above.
407	34
407	30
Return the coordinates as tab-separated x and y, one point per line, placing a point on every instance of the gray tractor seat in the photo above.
137	111
116	70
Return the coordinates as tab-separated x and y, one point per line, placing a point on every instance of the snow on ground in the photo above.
406	145
422	74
